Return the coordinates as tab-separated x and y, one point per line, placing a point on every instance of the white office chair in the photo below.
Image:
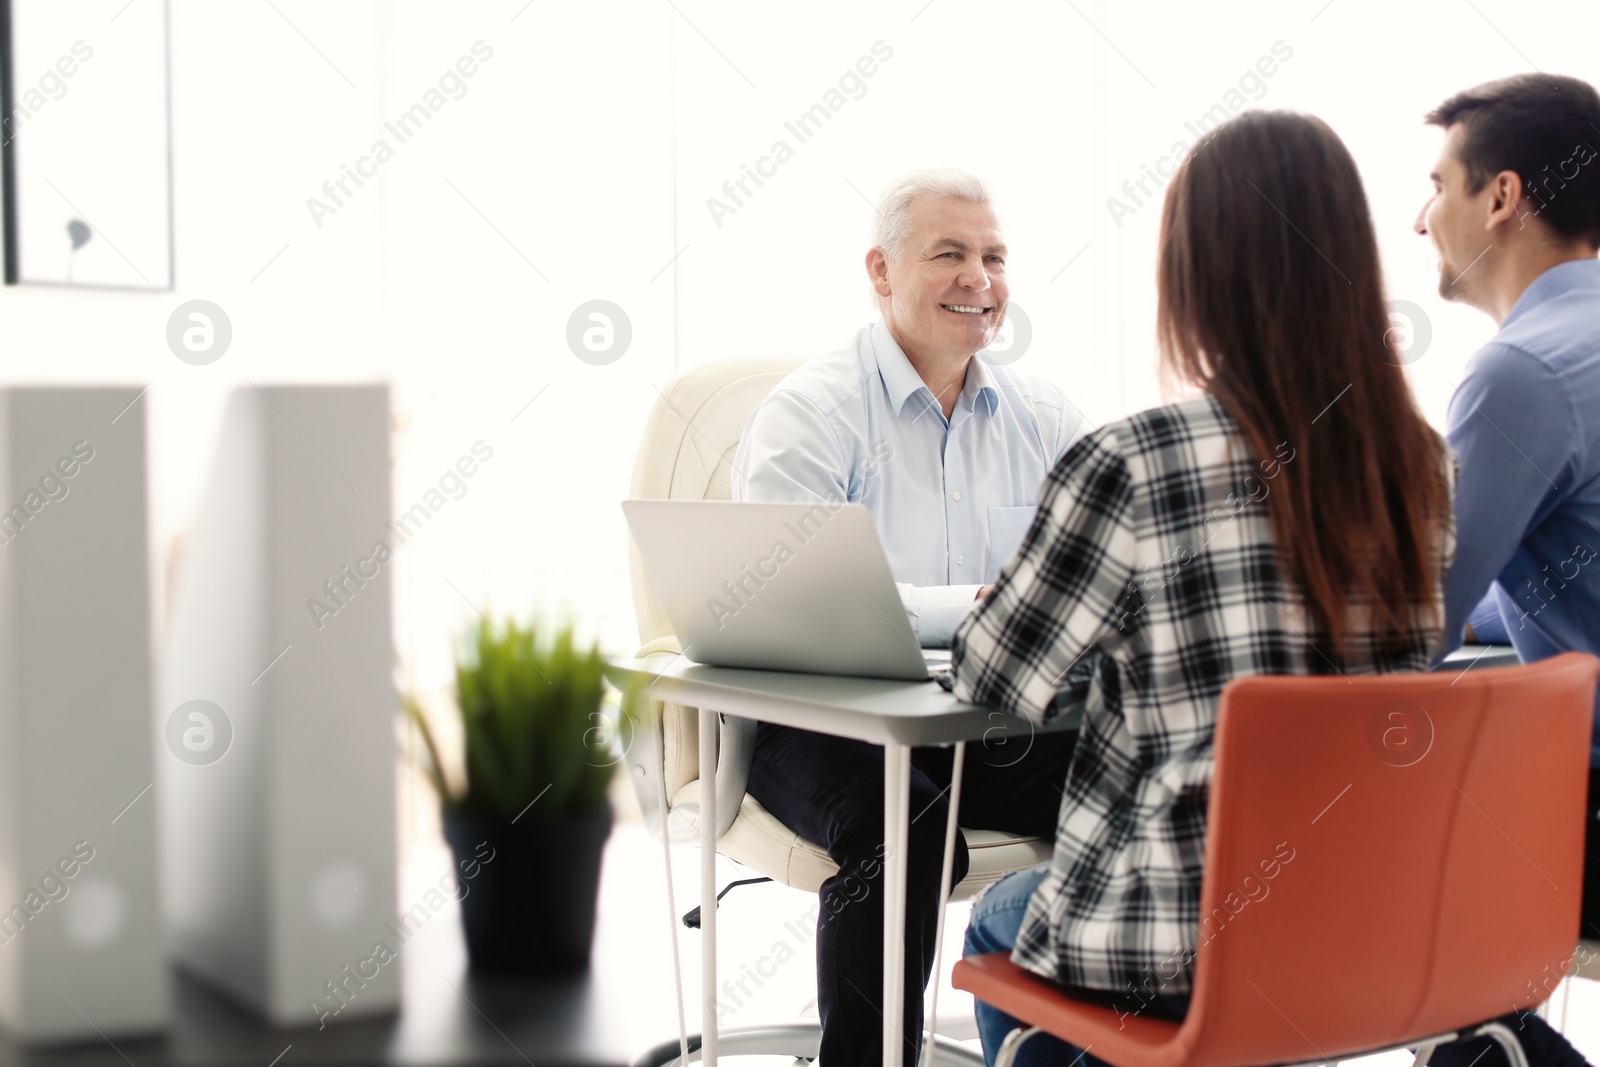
686	453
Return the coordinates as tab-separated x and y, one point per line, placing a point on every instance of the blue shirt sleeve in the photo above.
1487	624
789	452
1512	427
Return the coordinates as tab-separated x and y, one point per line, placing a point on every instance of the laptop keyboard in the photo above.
938	661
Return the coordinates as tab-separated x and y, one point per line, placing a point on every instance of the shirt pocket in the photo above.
1007	528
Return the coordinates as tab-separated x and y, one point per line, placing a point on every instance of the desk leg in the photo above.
951	829
896	831
708	888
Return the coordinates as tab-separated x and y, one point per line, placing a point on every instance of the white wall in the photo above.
590	142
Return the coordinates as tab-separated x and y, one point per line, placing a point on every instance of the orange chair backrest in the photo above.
1388	857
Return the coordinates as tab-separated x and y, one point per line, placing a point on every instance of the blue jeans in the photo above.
996	920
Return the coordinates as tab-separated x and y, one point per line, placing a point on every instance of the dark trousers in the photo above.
830	791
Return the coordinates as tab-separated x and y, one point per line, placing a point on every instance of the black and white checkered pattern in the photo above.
1149	579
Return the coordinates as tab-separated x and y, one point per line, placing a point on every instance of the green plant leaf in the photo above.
432	766
535	732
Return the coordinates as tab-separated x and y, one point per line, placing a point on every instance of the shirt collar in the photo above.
1557	281
902	381
981	384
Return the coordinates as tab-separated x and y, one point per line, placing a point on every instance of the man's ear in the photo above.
1508	203
878	271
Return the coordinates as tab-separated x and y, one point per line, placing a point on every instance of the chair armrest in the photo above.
736	743
646	756
736	746
736	751
645	762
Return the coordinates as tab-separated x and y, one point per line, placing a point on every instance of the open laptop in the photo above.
791	587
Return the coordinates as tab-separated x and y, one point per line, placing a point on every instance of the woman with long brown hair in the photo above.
1293	516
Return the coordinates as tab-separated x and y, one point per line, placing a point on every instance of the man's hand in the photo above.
983	594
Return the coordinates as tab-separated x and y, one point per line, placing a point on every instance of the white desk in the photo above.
1477	657
896	715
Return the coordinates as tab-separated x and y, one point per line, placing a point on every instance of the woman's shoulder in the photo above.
1194	432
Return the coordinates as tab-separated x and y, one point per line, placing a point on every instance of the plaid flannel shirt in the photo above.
1149	579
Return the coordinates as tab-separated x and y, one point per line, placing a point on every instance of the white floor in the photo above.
767	957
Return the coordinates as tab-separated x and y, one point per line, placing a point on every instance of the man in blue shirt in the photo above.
947	452
1515	217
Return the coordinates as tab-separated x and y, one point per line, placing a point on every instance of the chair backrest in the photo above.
1388	857
686	453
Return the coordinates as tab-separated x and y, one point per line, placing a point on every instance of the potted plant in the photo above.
533	815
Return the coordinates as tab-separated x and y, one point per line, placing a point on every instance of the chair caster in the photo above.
667	1052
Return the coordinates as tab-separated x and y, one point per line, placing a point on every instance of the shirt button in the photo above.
956	495
961	559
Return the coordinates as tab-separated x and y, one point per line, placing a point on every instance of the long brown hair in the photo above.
1271	300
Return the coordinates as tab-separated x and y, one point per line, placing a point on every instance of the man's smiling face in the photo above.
947	289
1456	220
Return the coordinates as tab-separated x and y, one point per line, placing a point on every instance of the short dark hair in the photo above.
1539	126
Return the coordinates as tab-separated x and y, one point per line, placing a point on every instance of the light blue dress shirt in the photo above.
951	498
1525	424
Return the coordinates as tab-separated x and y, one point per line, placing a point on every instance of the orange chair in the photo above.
1437	829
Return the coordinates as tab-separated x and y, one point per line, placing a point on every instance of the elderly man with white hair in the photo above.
947	452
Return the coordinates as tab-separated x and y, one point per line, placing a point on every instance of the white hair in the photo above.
894	207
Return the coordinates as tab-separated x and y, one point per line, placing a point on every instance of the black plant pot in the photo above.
530	908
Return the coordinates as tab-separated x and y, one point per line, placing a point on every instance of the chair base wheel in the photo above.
667	1052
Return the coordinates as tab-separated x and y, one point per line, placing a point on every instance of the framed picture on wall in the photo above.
86	163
